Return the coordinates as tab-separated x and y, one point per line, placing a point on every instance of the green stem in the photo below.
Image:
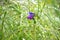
34	29
29	5
3	25
38	6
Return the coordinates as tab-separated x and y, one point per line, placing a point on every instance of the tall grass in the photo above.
14	24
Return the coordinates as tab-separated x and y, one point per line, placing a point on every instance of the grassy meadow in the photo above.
14	24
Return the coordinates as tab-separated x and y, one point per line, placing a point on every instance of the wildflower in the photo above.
31	15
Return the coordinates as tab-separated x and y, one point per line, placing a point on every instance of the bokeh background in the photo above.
14	24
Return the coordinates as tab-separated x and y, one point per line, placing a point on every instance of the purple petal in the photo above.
31	15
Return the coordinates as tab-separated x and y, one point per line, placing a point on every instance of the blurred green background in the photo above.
14	24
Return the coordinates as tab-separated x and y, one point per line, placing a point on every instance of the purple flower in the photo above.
31	15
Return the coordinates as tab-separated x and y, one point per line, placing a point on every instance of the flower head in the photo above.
31	15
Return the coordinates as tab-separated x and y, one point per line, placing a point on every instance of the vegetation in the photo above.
14	24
